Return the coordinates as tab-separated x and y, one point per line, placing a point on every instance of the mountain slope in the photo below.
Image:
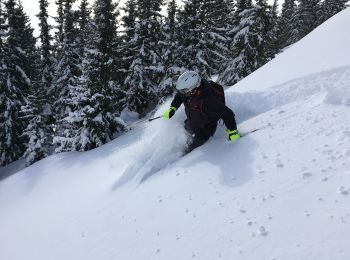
324	49
279	193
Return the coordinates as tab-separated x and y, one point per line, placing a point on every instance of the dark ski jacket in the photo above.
203	108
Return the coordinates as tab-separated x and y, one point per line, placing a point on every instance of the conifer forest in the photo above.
68	88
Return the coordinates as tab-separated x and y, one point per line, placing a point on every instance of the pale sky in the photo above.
31	7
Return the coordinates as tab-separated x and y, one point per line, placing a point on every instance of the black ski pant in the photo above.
198	136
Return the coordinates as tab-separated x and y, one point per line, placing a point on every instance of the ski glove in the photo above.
233	135
169	113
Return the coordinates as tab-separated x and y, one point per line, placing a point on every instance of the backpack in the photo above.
218	91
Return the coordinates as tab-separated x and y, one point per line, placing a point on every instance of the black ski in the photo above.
243	134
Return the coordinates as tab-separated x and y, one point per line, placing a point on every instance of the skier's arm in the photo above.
215	108
177	101
175	104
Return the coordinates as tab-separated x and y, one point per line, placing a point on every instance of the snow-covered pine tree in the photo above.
67	72
170	50
45	47
129	19
192	47
83	127
17	76
8	104
229	74
216	25
3	30
22	40
287	31
128	42
59	28
37	131
307	16
251	41
84	18
107	62
331	7
146	70
90	127
170	21
264	29
38	110
93	99
273	47
275	8
233	22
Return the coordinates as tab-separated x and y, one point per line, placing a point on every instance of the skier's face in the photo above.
187	92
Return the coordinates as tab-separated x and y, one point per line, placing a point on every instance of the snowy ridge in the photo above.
279	193
333	83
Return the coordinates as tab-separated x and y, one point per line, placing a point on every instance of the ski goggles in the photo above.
188	92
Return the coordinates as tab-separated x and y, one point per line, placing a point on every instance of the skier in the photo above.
204	103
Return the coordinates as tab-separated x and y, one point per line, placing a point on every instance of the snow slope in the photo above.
282	192
325	48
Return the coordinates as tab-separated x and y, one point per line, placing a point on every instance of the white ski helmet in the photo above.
188	81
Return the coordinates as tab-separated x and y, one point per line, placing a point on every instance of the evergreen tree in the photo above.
232	72
275	8
46	53
93	98
7	98
45	48
216	28
195	54
108	63
67	72
233	21
145	72
251	41
84	134
171	19
18	71
89	127
91	124
273	47
38	131
308	13
331	7
287	32
170	50
38	109
242	5
128	41
264	27
84	16
3	30
59	27
129	19
21	39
